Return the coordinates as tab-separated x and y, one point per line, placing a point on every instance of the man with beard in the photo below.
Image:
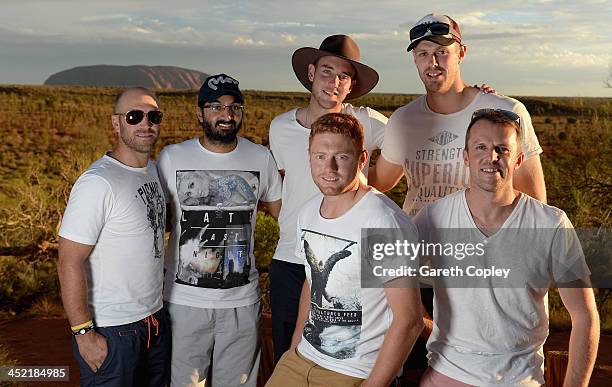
424	139
212	185
110	256
348	332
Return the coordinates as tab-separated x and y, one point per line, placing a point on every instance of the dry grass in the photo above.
51	134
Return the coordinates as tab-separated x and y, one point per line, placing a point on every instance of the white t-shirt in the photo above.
429	146
121	210
210	262
289	145
494	336
347	323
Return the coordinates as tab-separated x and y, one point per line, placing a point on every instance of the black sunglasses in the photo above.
436	28
484	113
134	117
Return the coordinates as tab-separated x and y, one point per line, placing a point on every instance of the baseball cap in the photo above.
441	29
217	85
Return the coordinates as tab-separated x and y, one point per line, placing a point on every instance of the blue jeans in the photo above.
138	354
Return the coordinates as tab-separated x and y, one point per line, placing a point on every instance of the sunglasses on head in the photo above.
435	28
134	117
484	113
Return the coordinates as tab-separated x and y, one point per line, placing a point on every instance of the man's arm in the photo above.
273	207
73	283
303	312
529	178
405	303
385	175
584	339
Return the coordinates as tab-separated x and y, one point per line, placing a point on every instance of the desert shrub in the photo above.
23	281
266	238
48	146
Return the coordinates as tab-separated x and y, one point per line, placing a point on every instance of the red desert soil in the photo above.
46	342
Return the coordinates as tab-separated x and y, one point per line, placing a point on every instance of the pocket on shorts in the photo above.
109	352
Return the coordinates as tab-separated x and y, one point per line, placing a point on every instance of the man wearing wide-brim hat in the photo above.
332	73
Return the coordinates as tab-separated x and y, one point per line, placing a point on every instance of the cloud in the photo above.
106	18
541	39
288	38
246	41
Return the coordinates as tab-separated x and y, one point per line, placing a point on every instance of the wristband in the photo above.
77	327
83	329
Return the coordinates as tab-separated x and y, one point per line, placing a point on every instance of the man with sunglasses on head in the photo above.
423	139
110	256
491	332
332	74
212	186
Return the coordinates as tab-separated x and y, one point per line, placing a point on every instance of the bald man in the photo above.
110	256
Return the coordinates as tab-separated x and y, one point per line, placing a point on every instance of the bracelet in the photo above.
77	327
83	330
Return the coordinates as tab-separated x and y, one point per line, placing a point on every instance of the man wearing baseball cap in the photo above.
332	73
212	185
424	139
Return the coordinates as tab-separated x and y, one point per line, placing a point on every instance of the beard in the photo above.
140	145
213	133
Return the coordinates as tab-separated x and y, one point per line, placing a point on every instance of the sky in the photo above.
536	48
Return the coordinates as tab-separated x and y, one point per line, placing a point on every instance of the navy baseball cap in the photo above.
217	85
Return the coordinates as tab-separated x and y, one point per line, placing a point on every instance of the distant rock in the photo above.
159	77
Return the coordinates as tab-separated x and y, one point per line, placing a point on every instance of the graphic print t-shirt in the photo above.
347	323
429	146
120	210
214	196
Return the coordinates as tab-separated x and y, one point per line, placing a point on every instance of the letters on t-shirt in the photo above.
436	171
217	207
151	196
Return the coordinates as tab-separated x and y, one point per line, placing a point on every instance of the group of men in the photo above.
328	329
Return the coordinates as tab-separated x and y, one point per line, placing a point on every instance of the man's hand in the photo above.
93	349
295	340
485	88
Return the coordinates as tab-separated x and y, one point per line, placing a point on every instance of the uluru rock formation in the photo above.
160	77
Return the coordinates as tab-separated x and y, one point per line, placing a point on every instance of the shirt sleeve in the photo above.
378	121
383	238
568	260
421	221
531	146
392	148
163	171
88	209
273	182
274	146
